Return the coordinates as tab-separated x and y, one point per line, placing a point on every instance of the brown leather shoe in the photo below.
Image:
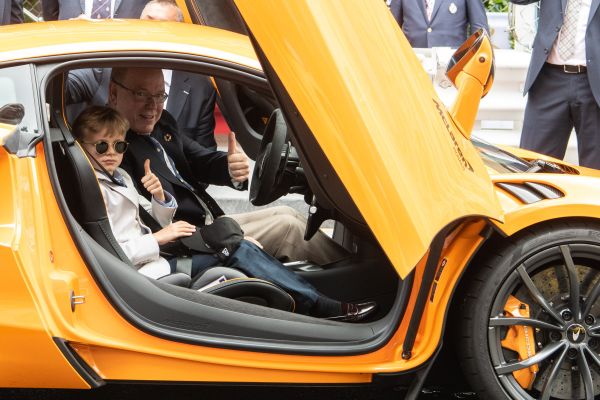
355	312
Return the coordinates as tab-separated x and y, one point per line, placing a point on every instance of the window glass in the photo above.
17	106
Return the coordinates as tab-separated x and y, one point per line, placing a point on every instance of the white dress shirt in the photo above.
579	56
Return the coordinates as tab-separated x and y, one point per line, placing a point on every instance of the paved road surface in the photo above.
149	392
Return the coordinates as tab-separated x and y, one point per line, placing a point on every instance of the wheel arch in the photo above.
446	360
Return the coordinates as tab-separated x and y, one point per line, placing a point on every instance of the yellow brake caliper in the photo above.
520	339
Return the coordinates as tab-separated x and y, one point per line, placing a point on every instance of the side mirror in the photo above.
471	70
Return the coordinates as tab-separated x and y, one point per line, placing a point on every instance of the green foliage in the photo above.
496	5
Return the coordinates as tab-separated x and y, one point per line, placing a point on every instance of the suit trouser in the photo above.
558	102
281	232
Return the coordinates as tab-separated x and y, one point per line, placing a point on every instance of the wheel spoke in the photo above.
593	331
511	321
573	281
547	389
535	293
584	370
591	299
537	358
594	356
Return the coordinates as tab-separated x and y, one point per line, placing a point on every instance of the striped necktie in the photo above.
100	9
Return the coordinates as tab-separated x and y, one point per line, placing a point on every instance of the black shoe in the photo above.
355	312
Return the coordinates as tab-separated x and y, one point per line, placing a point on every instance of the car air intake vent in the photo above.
568	169
530	192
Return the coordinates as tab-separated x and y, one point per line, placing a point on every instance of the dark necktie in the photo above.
100	9
209	205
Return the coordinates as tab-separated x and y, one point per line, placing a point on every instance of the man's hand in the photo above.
237	161
254	241
174	231
152	183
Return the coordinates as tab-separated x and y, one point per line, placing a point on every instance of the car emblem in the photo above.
576	333
168	137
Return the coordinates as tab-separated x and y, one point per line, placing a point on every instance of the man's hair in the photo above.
118	74
95	119
171	3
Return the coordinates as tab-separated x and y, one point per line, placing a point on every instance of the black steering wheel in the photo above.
274	172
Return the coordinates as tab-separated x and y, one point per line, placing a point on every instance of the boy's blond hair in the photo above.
95	119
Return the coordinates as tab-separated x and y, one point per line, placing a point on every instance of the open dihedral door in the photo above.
346	77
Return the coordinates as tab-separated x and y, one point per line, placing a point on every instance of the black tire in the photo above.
543	254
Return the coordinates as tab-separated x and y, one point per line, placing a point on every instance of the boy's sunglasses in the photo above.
102	146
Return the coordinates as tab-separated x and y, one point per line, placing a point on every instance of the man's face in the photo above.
137	98
110	159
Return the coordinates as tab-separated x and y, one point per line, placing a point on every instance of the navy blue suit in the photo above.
196	165
450	20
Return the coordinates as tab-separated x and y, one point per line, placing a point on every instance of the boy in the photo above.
101	132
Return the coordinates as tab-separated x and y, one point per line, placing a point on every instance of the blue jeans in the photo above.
254	262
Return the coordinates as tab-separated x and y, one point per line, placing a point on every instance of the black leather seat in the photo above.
84	199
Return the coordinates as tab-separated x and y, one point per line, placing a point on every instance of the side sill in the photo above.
85	371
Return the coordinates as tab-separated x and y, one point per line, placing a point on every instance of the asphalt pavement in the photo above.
196	392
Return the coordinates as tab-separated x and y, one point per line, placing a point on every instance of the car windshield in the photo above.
500	160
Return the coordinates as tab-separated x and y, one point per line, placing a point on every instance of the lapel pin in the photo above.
452	8
168	137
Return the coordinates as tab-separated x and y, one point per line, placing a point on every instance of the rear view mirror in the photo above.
471	70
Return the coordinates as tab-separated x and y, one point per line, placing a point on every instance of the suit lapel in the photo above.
178	94
593	9
126	192
421	4
436	7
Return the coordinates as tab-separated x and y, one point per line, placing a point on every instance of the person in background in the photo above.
11	12
53	10
439	23
563	81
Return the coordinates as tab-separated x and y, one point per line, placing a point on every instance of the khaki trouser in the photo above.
281	232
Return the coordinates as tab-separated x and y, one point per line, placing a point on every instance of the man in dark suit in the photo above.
11	12
563	82
53	10
438	23
183	167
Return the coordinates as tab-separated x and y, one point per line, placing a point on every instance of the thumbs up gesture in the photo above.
237	161
152	183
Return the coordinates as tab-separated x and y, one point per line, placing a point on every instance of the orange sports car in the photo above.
482	258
